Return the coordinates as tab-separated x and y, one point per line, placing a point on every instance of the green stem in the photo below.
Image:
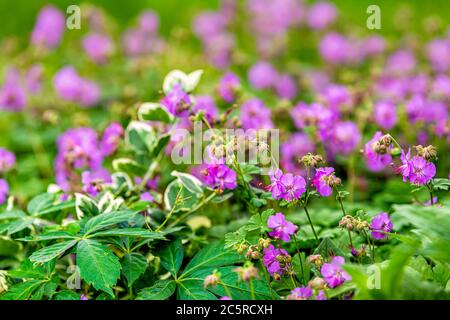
299	258
267	276
227	291
338	198
171	211
311	224
252	289
183	216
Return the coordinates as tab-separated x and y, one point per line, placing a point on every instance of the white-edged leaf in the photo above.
150	111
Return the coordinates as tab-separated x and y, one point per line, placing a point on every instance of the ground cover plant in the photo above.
244	150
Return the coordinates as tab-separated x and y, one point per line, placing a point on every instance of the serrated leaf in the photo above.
40	203
53	235
161	290
133	265
172	256
108	219
49	253
56	208
130	232
154	112
190	290
22	291
67	295
19	225
98	265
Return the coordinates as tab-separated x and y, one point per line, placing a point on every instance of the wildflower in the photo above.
345	137
49	27
147	197
321	14
111	138
281	228
12	96
422	171
438	53
255	115
385	114
297	145
302	293
93	181
321	295
206	105
262	75
211	280
334	48
228	87
333	273
286	87
347	222
177	101
325	180
406	167
220	176
376	160
293	186
316	259
381	222
7	160
98	47
275	261
4	190
33	78
247	273
276	187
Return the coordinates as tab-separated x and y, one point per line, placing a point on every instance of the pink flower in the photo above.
374	160
333	273
111	138
293	186
98	47
422	171
262	75
49	27
228	87
302	293
381	222
272	262
4	189
281	228
219	176
322	181
276	187
385	114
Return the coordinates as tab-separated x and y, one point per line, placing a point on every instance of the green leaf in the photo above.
141	137
53	235
154	112
327	248
441	184
210	257
190	182
128	166
130	232
56	208
108	219
176	195
172	256
173	78
133	265
301	273
85	206
19	225
40	203
48	253
12	215
191	290
67	295
22	291
161	290
98	265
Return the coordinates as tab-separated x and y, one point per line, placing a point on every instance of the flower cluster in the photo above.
417	169
277	261
383	223
286	186
333	273
325	180
220	177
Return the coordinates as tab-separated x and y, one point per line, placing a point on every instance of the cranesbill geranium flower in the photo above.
321	14
49	27
321	295
220	176
262	75
286	87
271	259
276	187
323	181
405	168
228	86
177	101
376	161
93	181
381	222
333	273
12	95
281	228
207	105
111	138
255	115
422	171
293	186
98	47
7	160
385	114
4	189
300	293
344	138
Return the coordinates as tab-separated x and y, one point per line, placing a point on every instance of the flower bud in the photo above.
429	153
211	280
317	283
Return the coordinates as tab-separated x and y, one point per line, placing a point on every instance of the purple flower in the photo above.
374	160
262	75
302	293
148	21
12	96
98	47
255	115
177	101
276	187
286	87
71	87
374	45
385	114
33	78
333	273
83	297
49	27
225	298
321	295
438	53
207	105
336	96
228	86
441	86
281	228
7	160
321	181
401	62
219	176
345	137
381	222
334	48
4	190
298	145
111	138
147	197
321	14
93	181
271	260
293	186
405	168
422	171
